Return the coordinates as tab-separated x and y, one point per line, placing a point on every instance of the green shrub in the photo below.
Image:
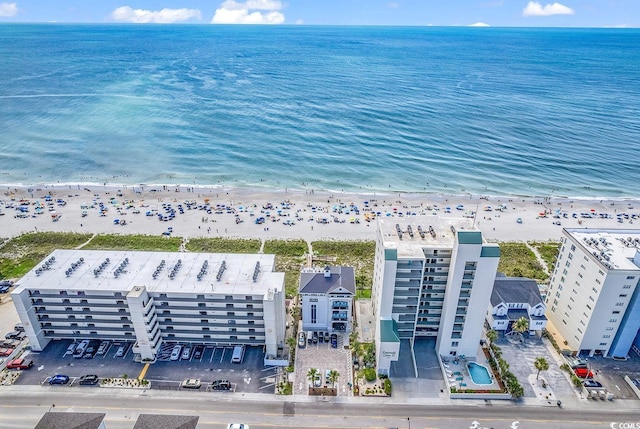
387	386
369	374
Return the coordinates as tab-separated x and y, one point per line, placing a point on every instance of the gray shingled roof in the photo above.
57	420
163	421
341	277
515	290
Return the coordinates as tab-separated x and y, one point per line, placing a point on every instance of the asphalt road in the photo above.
23	406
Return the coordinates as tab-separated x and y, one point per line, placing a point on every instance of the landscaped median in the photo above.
126	383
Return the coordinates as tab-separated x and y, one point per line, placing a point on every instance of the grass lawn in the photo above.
548	251
289	259
358	254
157	243
223	245
517	260
20	254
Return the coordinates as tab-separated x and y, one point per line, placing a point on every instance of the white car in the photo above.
175	353
186	353
237	426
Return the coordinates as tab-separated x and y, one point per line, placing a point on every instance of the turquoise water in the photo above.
479	373
454	110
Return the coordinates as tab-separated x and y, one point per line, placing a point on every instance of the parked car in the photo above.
88	380
19	327
11	344
80	349
583	372
302	339
6	283
5	351
12	335
175	353
237	426
20	364
591	383
197	351
72	348
4	289
315	337
191	383
186	353
59	379
221	385
320	337
334	341
326	337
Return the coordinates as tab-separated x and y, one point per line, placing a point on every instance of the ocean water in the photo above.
455	110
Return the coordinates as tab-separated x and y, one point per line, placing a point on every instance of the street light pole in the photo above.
409	420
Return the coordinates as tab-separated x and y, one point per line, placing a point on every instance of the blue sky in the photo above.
517	13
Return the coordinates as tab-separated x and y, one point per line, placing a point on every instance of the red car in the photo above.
583	372
20	364
4	351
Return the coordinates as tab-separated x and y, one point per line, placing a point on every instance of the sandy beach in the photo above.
309	215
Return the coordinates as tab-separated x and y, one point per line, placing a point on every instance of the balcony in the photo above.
196	300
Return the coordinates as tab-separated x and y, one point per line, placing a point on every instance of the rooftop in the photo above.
411	234
163	421
613	248
340	280
160	272
55	420
515	290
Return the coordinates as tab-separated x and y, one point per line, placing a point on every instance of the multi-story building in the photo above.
151	297
433	278
513	298
327	299
594	298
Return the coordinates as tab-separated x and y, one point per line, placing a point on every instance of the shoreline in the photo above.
291	214
217	188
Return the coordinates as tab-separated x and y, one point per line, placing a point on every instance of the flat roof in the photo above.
615	249
444	232
159	272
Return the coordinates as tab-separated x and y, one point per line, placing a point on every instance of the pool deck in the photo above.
455	368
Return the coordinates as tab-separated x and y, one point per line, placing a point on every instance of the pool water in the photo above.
479	373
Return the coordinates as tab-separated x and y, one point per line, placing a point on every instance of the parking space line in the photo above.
143	372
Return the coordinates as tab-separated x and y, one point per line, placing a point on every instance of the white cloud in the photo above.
164	16
479	24
8	9
534	8
249	12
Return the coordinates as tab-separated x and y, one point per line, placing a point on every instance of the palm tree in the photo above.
312	374
492	336
521	325
541	364
333	377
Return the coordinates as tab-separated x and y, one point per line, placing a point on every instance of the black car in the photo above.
197	352
88	380
334	341
221	385
12	335
592	383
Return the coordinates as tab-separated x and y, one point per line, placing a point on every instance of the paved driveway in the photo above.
322	357
521	358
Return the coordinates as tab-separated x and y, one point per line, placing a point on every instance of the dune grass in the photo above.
517	260
156	243
289	259
548	251
222	245
20	254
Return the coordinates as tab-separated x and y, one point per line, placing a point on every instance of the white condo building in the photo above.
151	297
594	298
433	278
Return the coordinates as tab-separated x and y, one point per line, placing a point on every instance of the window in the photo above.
588	306
251	322
553	309
616	312
623	295
454	344
598	281
631	277
229	305
569	307
601	272
248	298
603	344
230	313
594	289
606	336
573	248
570	256
619	304
626	287
249	305
610	328
314	313
592	299
228	297
613	320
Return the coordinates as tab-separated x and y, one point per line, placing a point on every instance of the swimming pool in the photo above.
479	373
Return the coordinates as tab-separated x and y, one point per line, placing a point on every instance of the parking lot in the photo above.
323	357
214	364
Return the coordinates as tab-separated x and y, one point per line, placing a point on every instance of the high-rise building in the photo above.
151	297
433	278
594	299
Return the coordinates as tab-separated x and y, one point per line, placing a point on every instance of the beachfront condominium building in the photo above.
151	297
593	297
433	278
